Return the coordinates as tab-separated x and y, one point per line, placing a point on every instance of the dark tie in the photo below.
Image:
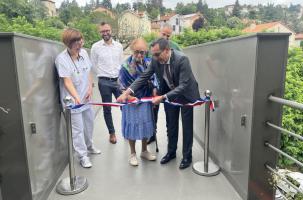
169	77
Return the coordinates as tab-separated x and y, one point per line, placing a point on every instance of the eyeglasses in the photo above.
140	52
157	54
165	35
105	31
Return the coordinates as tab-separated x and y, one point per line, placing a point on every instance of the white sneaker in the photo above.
93	150
85	162
148	156
133	160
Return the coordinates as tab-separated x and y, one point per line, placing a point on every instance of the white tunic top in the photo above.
78	72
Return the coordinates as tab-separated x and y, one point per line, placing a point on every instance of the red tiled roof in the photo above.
299	36
260	27
167	17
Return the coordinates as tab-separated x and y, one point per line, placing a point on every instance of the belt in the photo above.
107	78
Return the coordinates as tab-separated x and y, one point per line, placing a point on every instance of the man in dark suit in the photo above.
177	83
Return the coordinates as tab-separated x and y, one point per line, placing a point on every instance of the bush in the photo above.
293	119
189	37
20	25
150	37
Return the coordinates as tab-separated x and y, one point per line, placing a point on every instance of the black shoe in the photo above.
167	158
151	139
185	163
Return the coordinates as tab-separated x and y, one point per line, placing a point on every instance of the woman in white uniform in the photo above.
73	66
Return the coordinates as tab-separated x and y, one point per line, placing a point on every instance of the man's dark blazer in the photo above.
186	86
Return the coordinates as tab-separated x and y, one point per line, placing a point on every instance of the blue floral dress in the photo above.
137	120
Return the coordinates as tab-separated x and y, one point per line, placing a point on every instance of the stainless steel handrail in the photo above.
289	103
283	153
285	131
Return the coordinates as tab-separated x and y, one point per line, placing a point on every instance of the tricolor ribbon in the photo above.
148	99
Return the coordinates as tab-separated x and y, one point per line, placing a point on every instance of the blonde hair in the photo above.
136	41
70	35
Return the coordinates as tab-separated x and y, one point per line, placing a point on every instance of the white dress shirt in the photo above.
107	59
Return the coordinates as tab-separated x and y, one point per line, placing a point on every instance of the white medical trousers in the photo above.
83	126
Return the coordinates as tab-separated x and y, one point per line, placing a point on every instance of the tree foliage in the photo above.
237	9
122	7
293	119
20	25
107	4
31	10
189	37
69	11
185	9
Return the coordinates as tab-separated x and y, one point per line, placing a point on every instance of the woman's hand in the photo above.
77	100
89	93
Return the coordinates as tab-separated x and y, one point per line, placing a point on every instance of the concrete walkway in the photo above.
112	178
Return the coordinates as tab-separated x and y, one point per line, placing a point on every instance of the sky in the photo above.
211	3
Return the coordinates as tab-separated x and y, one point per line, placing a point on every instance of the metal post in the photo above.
206	167
72	184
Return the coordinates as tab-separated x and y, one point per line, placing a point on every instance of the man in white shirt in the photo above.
107	57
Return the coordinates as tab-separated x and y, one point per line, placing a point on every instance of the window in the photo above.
180	29
174	28
177	21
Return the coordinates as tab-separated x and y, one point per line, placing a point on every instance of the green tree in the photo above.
234	22
186	9
39	10
293	119
15	8
200	6
237	9
216	18
54	22
69	11
89	31
139	6
107	4
252	14
270	13
88	8
154	13
122	7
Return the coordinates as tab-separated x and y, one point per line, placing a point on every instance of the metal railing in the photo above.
294	105
72	184
206	167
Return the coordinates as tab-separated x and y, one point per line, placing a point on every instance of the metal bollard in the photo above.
72	184
206	167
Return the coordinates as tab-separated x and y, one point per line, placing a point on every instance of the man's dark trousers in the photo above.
172	125
107	88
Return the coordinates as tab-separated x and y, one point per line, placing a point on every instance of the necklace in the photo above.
75	66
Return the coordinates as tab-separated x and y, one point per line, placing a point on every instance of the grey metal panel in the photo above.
29	88
13	168
46	149
228	68
269	79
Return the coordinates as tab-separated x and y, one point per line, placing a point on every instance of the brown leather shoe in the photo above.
112	138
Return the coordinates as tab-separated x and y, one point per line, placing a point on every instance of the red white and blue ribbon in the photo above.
149	99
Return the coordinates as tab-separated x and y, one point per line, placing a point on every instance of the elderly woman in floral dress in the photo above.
137	119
